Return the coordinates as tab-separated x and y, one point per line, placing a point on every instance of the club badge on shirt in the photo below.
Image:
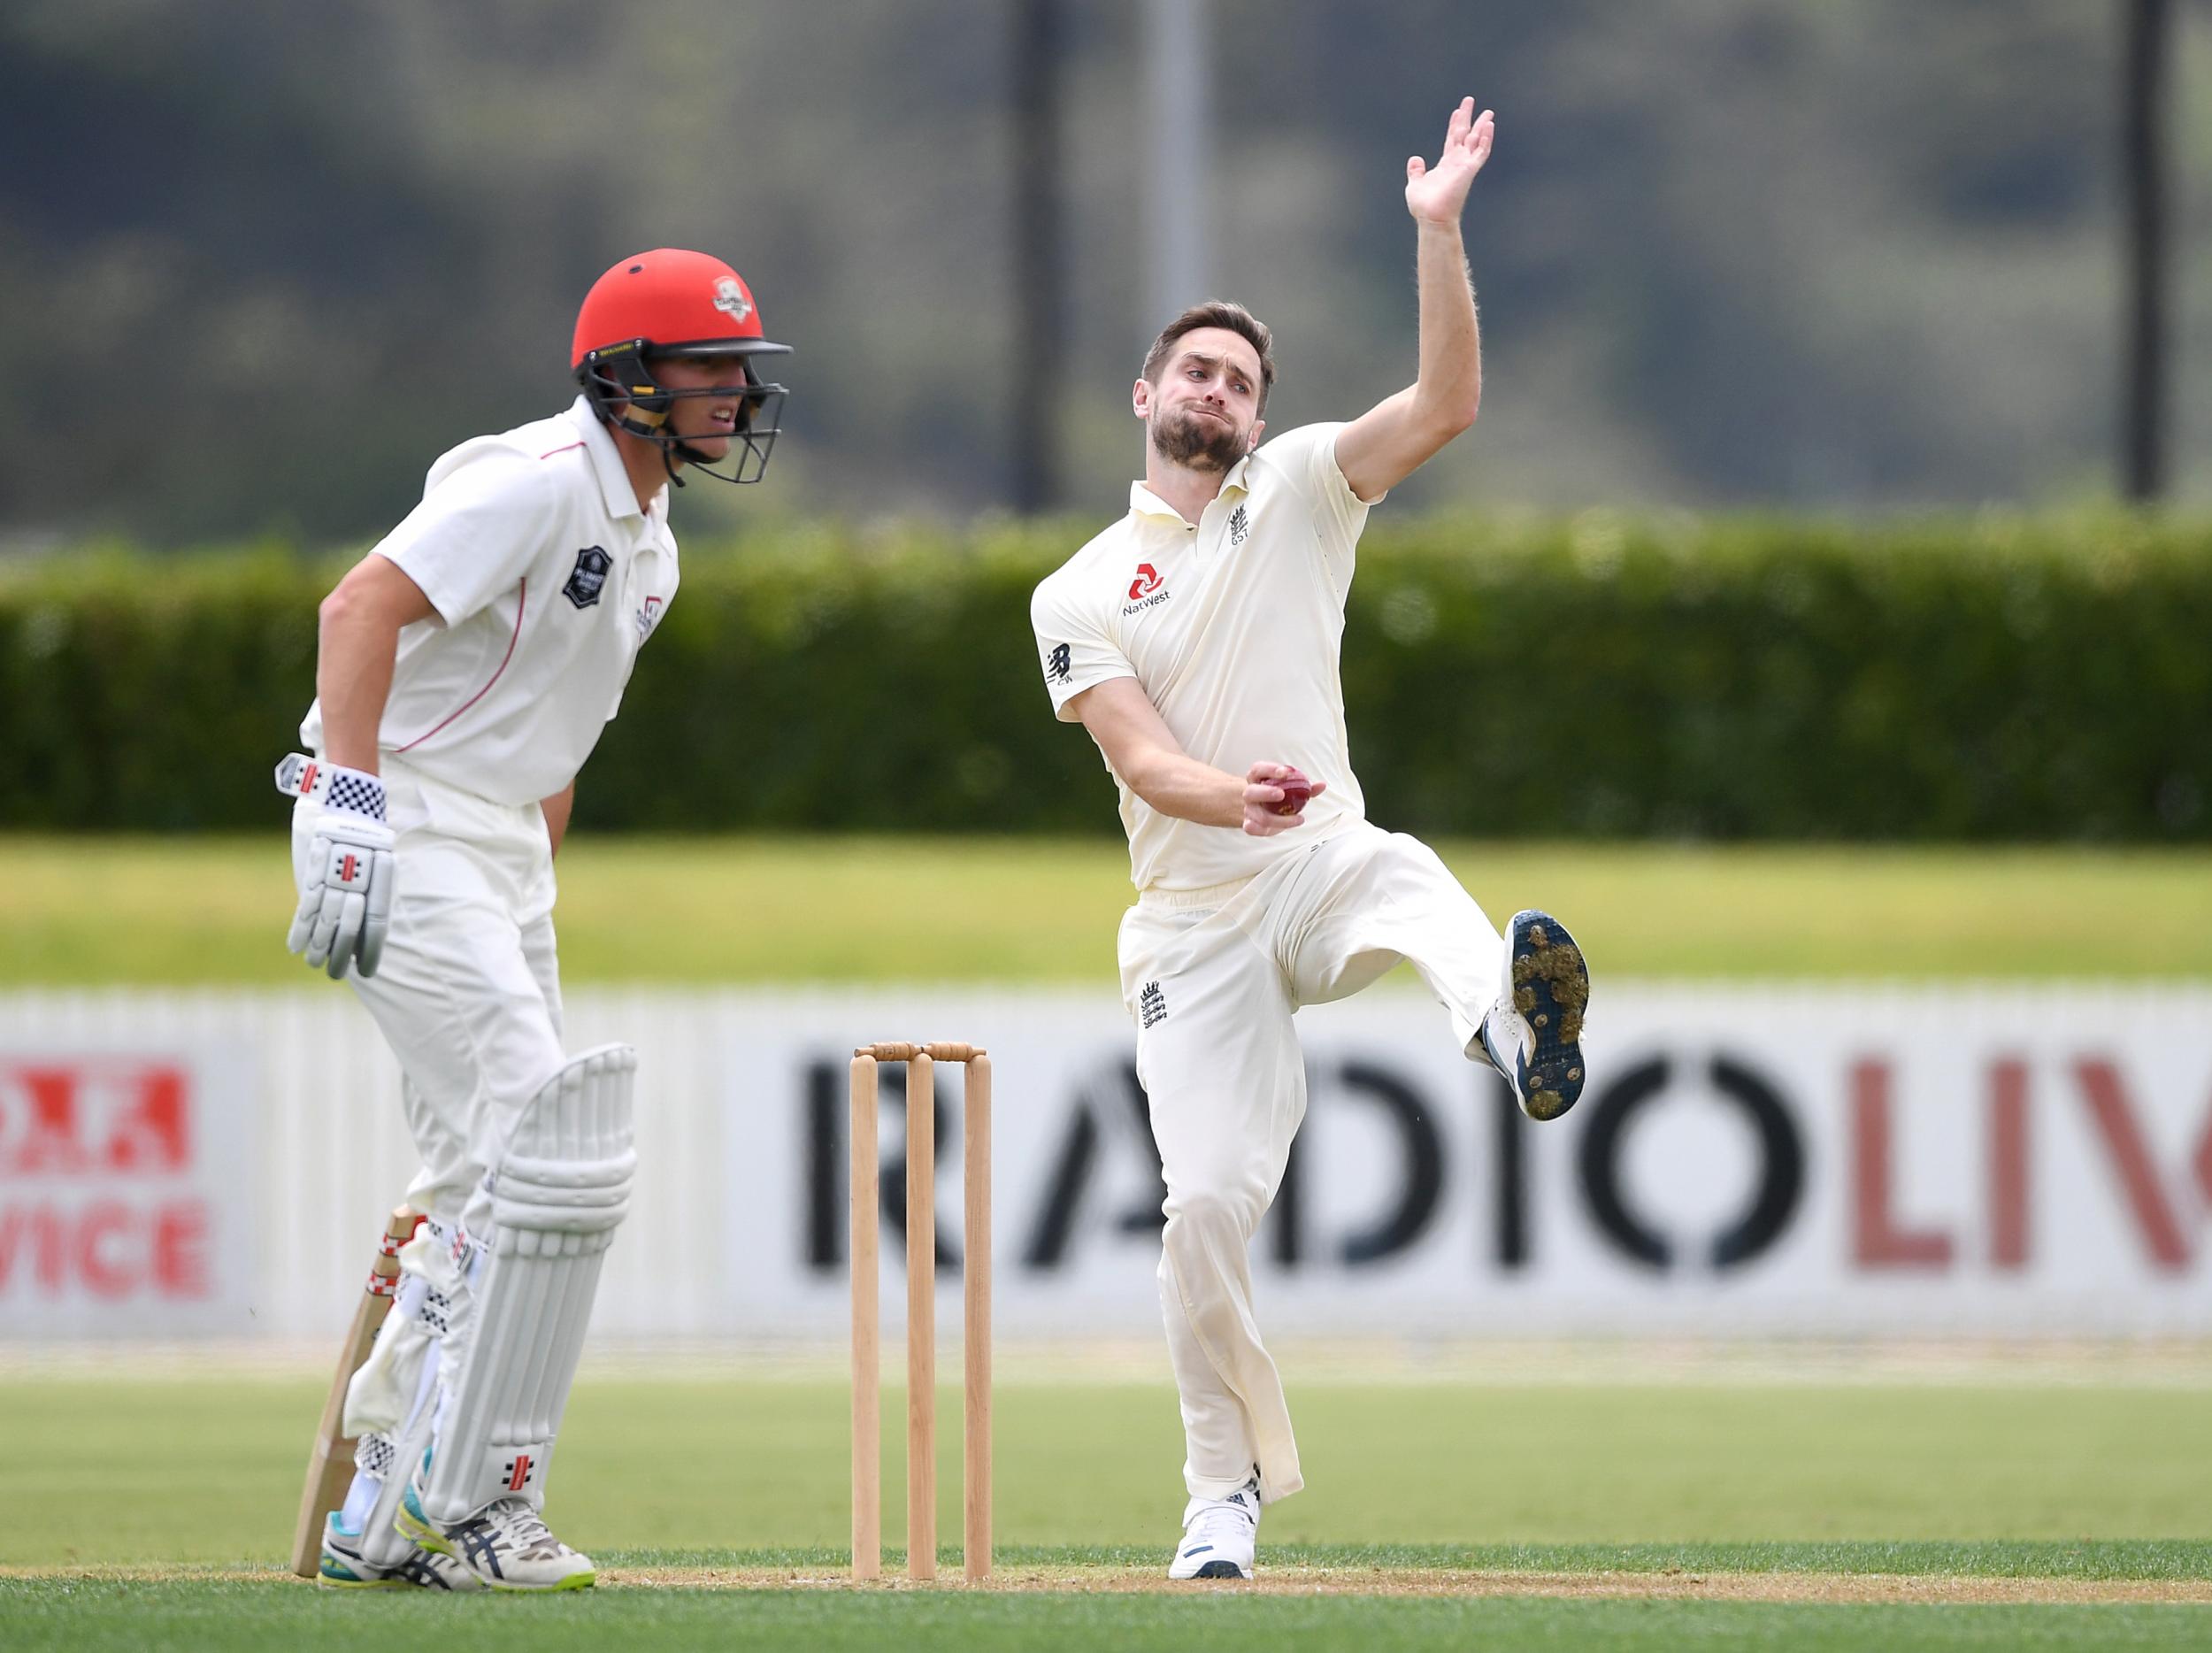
590	574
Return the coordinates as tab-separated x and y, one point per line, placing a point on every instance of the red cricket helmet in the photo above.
670	303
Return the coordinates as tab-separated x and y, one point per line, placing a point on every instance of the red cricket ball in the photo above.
1296	791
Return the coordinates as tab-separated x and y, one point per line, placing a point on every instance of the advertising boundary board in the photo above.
1863	1160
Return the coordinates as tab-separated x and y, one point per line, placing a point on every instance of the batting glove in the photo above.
346	893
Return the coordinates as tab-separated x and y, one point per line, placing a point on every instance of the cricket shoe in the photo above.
1534	1034
345	1568
506	1546
1219	1535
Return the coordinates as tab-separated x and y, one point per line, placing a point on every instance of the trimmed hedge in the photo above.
1605	676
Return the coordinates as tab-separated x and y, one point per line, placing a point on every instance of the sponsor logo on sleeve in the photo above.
1057	669
1152	1004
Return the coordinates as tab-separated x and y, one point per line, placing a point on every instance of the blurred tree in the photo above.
2143	174
1035	204
264	261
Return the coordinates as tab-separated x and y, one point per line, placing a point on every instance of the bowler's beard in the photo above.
1181	437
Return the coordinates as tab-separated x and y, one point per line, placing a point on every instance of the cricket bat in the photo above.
330	1463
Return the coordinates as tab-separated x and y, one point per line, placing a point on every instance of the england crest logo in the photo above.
592	564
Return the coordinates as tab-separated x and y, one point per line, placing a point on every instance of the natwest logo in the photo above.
1146	590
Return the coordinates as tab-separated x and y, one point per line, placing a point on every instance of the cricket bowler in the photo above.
466	667
1198	640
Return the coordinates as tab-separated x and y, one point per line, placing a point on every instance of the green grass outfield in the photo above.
114	1616
144	1512
198	910
141	1511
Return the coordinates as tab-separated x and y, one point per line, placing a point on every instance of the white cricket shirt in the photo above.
548	579
1233	627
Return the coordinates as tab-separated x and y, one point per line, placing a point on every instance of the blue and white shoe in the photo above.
506	1545
1533	1035
1219	1535
345	1568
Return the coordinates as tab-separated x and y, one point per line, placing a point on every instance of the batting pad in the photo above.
558	1197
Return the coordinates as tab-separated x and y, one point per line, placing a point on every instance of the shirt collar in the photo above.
1144	502
606	460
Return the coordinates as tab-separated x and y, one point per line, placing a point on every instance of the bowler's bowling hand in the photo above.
1438	194
1275	798
346	885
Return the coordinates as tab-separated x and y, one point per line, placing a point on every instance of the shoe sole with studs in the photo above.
1551	990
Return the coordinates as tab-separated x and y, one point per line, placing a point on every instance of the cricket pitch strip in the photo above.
1850	1588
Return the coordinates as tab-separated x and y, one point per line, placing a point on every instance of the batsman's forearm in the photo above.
353	680
1450	383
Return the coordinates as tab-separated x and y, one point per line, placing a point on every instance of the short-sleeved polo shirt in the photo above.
547	578
1233	626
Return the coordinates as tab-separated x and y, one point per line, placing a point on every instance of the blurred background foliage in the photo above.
1603	676
262	261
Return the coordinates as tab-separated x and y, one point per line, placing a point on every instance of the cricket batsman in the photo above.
1197	640
466	667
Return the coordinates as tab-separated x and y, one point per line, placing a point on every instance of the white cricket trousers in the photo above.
1213	978
468	994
